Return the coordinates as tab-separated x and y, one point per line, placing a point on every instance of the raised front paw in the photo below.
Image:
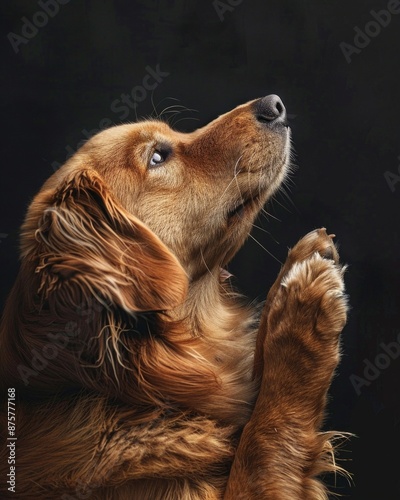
314	293
315	241
306	301
311	293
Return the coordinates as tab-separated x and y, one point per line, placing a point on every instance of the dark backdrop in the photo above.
335	66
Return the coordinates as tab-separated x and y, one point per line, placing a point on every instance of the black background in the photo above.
344	118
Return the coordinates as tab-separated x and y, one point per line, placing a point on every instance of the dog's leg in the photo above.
62	453
315	241
282	449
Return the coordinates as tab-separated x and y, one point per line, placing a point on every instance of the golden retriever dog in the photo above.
131	369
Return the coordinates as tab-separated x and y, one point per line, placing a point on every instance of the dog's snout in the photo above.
270	110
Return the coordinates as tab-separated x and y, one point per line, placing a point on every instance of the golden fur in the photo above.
139	372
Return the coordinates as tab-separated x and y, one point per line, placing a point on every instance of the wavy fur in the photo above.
139	372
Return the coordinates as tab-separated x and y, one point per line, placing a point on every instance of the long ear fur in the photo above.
87	239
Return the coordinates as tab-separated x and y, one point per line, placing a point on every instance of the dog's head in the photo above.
141	209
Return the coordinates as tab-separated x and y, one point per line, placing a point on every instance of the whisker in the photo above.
267	232
166	116
287	197
267	214
235	174
170	112
153	105
204	261
260	178
264	231
185	118
249	181
177	108
283	206
158	115
209	270
263	247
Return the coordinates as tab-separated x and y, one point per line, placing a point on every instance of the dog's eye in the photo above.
158	158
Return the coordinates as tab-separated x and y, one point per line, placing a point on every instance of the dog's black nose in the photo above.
270	110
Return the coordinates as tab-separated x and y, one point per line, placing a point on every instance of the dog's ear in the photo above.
88	240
